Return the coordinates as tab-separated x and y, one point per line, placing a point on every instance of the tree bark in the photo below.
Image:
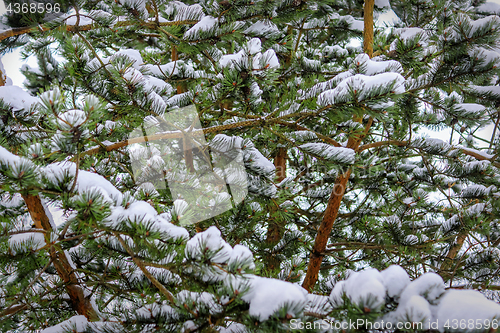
80	303
276	229
444	270
3	78
335	200
332	210
175	57
368	27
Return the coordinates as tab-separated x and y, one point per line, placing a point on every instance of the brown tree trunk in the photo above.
447	264
3	78
276	228
80	303
175	57
368	27
332	210
335	200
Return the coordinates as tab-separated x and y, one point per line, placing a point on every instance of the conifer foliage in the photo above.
339	201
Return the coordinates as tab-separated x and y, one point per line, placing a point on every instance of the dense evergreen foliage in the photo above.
343	172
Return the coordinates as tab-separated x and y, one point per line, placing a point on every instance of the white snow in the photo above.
469	108
184	12
132	54
490	8
479	152
170	69
260	61
262	28
409	33
241	253
423	300
209	240
80	324
478	190
365	288
465	305
35	240
71	118
382	4
139	5
265	60
7	80
73	324
254	45
84	20
252	156
202	299
233	327
354	24
143	211
428	285
87	181
338	154
179	207
395	280
268	295
17	97
205	24
336	50
229	59
415	309
361	84
376	67
8	158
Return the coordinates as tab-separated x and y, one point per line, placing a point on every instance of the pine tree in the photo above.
244	166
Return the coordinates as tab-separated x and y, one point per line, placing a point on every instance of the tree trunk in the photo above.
276	228
332	210
447	264
175	57
333	206
3	78
368	27
80	303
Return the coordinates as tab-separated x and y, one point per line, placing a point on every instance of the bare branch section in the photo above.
80	303
478	156
214	129
143	268
73	28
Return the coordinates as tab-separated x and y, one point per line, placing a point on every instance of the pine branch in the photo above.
466	151
382	143
143	268
12	308
179	134
74	28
